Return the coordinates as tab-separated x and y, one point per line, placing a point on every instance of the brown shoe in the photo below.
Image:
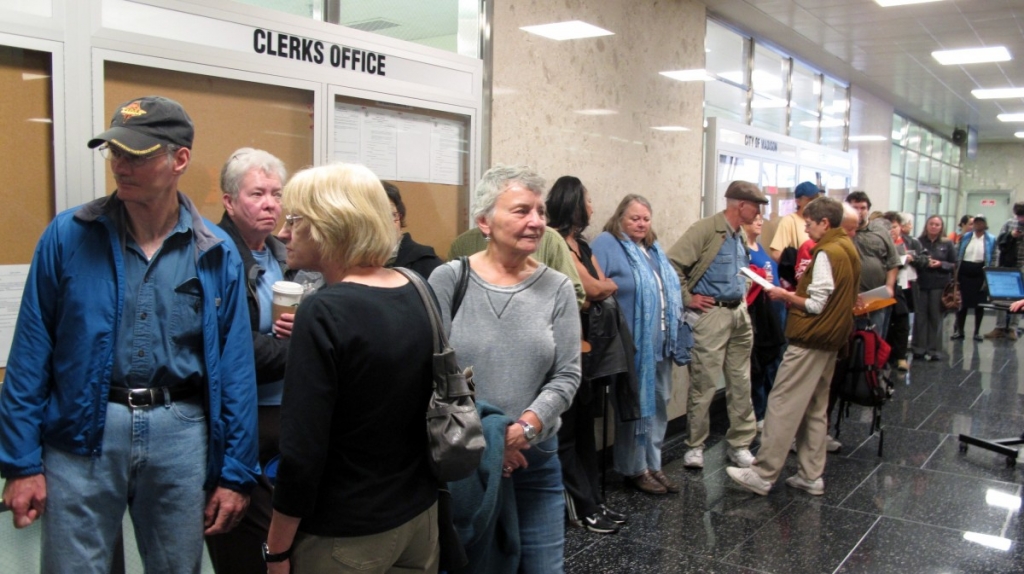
1011	334
646	483
997	333
666	482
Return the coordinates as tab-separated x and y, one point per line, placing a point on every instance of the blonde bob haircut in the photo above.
346	211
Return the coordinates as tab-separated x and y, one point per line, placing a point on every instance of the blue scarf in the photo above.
646	320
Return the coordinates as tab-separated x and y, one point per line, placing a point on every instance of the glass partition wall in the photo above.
924	173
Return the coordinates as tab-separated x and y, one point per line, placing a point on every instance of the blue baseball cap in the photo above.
806	189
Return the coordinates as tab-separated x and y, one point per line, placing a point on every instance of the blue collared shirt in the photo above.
722	279
160	337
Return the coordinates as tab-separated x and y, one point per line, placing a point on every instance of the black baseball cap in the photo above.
143	125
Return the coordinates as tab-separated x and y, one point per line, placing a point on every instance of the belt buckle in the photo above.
131	393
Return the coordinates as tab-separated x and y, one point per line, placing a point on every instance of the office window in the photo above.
770	86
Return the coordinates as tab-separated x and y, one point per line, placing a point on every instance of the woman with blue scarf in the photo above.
650	298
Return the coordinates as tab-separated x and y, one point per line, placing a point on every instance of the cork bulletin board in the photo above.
228	114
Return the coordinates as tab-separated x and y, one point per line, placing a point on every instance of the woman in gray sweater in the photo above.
519	328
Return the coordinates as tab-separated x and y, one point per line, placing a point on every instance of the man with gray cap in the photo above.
790	231
130	381
708	259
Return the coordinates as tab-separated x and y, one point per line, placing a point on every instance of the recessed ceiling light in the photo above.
888	3
700	75
596	112
670	128
1011	117
1019	135
972	56
571	30
997	93
868	138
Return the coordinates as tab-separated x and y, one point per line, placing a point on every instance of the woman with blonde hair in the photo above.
354	489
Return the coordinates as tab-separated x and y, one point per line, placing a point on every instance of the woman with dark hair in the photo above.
934	272
409	254
569	211
976	250
651	300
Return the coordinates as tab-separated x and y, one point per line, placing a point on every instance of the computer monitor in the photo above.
1004	284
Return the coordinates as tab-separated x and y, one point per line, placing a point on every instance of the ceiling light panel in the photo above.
1011	117
998	93
891	3
571	30
972	56
700	75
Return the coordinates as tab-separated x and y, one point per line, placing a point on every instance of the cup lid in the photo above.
287	288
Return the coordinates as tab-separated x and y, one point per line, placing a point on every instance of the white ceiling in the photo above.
887	51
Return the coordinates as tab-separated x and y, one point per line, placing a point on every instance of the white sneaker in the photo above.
831	444
749	480
694	458
740	456
815	487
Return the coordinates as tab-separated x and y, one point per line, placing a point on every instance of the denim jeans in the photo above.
541	510
154	464
634	453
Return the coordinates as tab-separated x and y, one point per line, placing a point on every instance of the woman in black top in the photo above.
569	210
409	254
935	266
354	487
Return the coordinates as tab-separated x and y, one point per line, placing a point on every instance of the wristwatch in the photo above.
280	557
529	431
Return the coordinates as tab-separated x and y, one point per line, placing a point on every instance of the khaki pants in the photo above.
722	343
796	408
411	547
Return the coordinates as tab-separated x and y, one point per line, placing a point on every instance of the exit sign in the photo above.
988	203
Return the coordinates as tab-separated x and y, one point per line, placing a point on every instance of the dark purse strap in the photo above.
440	339
461	286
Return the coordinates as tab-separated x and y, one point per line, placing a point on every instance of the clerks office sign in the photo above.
280	45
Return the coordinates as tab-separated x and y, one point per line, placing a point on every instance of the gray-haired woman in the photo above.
519	328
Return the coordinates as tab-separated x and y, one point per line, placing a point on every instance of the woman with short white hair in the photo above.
519	328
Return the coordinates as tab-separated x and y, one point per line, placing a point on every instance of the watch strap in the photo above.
279	557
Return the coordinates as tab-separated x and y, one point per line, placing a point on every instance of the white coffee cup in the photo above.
287	295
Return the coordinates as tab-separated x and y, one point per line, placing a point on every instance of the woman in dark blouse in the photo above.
354	489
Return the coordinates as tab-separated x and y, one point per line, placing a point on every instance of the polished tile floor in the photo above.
921	507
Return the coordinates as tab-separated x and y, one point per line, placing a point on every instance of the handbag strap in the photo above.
461	286
440	339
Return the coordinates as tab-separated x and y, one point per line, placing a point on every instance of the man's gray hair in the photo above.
497	180
245	160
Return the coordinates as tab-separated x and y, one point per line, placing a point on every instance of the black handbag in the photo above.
455	435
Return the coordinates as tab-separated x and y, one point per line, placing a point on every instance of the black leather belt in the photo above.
141	398
728	304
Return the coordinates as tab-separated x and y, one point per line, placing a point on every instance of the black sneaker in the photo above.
598	523
616	517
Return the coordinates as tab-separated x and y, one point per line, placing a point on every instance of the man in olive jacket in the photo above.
819	325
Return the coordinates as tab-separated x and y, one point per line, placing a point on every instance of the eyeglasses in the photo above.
289	220
110	154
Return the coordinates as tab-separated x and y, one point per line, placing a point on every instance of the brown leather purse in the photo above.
951	295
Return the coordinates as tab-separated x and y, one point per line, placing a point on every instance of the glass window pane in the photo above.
954	178
768	107
296	7
913	137
895	190
804	126
725	52
806	89
899	130
833	114
896	163
722	100
28	193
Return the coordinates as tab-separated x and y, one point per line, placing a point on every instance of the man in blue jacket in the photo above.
130	381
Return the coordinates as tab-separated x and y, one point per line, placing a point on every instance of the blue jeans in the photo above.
634	453
154	464
541	510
